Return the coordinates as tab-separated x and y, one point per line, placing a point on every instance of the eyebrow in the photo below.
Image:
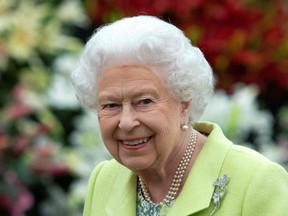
143	93
139	92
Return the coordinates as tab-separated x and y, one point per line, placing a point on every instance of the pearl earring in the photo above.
184	127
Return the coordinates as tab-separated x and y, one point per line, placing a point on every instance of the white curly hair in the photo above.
153	43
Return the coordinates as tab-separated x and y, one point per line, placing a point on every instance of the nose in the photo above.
128	120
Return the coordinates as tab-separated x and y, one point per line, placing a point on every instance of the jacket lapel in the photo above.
198	189
123	201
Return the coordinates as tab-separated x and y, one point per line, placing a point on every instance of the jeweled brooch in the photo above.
220	189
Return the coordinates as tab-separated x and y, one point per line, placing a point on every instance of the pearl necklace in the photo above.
179	174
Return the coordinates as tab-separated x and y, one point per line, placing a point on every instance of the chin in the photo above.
136	165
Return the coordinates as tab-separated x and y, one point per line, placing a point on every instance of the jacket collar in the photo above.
198	190
123	201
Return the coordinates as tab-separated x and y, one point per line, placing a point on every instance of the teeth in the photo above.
136	142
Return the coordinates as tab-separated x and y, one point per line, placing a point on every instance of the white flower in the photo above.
239	114
23	25
61	93
72	12
65	64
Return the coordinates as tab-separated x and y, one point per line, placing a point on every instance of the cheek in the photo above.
166	122
107	126
167	116
107	131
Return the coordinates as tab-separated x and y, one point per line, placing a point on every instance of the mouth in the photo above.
136	142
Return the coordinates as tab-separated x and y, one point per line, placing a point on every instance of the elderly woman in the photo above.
149	86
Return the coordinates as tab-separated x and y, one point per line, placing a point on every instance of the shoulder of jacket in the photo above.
246	160
246	153
108	168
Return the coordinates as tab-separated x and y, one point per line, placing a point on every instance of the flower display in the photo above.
35	37
236	114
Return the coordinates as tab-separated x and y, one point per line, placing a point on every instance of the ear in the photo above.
185	107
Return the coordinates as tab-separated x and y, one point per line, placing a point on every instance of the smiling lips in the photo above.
136	142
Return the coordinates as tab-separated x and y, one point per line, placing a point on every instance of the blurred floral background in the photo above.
49	144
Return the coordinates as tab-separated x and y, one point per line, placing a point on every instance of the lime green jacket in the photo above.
257	186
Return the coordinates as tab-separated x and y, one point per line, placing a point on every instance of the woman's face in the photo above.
140	120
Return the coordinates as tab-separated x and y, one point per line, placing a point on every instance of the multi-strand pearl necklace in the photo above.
179	174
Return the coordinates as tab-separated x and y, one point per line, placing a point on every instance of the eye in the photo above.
145	101
110	106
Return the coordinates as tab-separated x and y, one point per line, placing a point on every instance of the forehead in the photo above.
129	76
